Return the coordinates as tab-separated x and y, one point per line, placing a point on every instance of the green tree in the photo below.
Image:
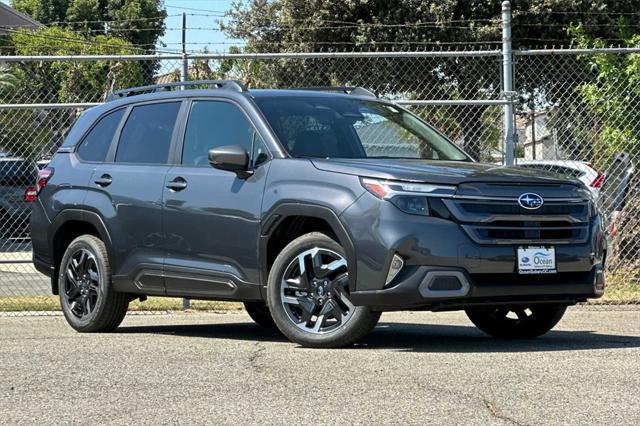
44	11
140	22
8	81
29	132
612	97
322	25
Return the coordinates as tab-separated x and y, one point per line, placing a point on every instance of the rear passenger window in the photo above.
213	124
146	136
95	145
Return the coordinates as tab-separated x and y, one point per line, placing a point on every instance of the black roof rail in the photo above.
217	84
349	90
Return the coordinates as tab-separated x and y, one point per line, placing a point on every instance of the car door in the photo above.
127	193
211	216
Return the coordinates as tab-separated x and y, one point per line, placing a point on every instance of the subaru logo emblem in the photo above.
530	201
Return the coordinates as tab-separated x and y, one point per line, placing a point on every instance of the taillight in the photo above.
599	179
31	193
597	182
43	177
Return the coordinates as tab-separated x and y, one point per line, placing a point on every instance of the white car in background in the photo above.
582	170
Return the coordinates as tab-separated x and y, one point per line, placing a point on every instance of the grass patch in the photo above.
52	303
622	288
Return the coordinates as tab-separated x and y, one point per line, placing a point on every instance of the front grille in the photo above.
503	221
515	209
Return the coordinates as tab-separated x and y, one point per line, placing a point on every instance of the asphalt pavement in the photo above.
415	368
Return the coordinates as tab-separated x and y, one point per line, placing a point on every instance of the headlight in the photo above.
409	197
412	204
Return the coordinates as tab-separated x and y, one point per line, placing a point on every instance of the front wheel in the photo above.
308	295
522	322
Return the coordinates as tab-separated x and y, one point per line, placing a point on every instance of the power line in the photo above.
574	12
543	24
195	9
352	42
409	25
155	18
94	43
565	40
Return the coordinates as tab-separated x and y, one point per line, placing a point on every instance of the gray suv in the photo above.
319	209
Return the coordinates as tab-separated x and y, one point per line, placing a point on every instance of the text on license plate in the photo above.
536	260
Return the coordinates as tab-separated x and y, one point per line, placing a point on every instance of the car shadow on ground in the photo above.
411	337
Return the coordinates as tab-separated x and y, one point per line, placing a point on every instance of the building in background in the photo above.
12	19
536	138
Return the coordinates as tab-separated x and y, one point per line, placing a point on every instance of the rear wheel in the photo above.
88	300
308	295
259	313
516	322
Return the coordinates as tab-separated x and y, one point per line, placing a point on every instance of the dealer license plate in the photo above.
536	260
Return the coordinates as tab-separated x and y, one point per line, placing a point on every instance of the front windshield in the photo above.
338	127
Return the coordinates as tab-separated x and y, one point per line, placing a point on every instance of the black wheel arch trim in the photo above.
282	211
79	215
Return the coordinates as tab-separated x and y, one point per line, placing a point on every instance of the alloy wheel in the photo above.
314	291
81	283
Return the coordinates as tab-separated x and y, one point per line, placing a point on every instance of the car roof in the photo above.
307	93
88	117
582	166
567	163
254	93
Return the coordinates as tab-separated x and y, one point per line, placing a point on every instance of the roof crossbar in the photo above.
349	90
216	84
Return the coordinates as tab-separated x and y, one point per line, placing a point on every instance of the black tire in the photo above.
523	322
355	321
259	313
91	305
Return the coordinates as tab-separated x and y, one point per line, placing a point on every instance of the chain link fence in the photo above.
571	117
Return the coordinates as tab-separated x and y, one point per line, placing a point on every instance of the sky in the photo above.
197	39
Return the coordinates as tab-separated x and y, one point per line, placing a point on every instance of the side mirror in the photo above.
232	158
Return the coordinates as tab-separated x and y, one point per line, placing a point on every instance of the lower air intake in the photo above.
439	284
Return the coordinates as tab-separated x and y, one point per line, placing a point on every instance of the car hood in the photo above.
443	172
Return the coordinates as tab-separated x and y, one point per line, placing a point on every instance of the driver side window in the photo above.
213	124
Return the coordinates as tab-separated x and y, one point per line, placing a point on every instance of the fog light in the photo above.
396	265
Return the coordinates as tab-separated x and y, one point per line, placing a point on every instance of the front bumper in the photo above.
431	244
477	289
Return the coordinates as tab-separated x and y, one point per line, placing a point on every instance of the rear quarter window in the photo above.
96	143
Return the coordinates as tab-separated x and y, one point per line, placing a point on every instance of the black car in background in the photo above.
16	175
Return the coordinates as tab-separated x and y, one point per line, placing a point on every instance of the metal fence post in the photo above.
507	83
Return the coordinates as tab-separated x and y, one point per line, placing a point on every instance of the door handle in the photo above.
178	184
104	180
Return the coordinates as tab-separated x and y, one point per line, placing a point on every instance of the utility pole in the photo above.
185	61
507	83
